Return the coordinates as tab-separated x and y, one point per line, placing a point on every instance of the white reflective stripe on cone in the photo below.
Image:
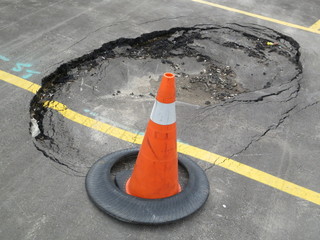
163	113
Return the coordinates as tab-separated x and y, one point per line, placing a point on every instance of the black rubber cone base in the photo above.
107	196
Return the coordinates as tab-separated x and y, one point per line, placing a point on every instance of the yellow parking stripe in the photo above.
94	124
19	82
316	25
309	29
251	173
192	151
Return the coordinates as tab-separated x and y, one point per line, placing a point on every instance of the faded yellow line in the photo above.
315	26
192	151
309	29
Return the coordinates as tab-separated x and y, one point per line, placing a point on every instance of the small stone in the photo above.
207	103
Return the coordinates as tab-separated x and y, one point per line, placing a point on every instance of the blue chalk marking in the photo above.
27	76
90	112
4	58
20	66
31	72
111	122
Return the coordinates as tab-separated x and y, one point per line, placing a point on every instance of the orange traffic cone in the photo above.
155	174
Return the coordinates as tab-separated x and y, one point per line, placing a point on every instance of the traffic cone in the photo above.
155	174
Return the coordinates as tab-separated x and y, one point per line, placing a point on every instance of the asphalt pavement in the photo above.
258	141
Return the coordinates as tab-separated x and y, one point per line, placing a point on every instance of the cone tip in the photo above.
168	75
167	89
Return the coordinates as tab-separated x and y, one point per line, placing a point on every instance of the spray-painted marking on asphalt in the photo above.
3	58
21	67
313	28
192	151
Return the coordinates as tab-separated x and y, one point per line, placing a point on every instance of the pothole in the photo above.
212	64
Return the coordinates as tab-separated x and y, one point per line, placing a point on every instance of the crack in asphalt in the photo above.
285	115
308	106
257	138
217	164
208	168
260	99
92	32
76	173
160	19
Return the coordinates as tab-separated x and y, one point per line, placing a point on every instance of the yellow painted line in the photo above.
315	26
94	124
192	151
19	82
251	173
309	29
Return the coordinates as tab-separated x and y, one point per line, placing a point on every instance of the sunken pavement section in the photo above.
224	75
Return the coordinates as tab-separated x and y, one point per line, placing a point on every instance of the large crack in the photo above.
293	95
284	116
296	108
60	163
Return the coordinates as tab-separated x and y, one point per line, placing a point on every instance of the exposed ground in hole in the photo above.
215	66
